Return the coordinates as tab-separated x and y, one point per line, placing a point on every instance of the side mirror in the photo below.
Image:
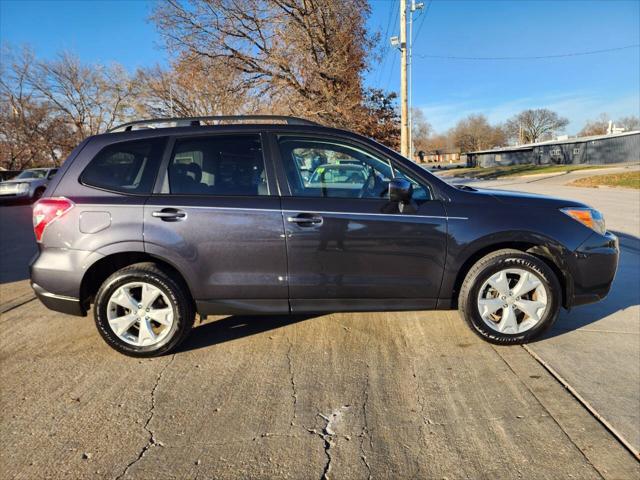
400	190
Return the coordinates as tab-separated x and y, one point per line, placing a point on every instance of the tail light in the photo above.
48	210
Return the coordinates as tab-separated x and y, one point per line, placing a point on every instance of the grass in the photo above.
623	180
513	171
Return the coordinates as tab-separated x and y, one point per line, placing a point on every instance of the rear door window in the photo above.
126	167
223	165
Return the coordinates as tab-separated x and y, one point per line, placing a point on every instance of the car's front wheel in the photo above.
142	312
510	297
37	195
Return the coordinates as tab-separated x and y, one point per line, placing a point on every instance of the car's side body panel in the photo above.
497	219
361	251
228	247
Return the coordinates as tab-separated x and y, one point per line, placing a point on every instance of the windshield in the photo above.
32	174
339	174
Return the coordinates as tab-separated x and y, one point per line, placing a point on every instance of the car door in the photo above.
348	246
216	218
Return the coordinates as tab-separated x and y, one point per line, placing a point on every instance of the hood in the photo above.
523	199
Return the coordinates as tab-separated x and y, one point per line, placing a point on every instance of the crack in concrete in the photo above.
426	421
365	428
327	434
152	439
294	391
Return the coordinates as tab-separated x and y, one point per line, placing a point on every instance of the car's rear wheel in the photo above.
510	297
141	311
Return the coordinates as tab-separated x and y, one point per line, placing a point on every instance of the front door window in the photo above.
326	169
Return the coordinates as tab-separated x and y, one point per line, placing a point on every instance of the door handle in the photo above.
169	214
305	219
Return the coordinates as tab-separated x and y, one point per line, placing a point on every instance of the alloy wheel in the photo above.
512	301
140	314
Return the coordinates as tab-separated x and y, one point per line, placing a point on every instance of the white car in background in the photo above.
29	184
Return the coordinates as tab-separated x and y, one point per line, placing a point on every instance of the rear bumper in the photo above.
593	268
56	275
59	303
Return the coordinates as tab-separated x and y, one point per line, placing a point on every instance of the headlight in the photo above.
589	217
14	188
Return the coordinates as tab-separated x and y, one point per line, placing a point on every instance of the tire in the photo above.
482	287
145	337
37	195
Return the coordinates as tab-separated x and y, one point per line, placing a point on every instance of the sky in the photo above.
446	89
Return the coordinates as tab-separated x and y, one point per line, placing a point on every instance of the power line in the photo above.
534	57
393	61
423	14
386	48
393	66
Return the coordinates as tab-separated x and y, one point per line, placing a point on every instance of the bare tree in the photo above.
89	98
30	133
191	87
533	125
420	131
48	107
307	56
599	126
629	123
475	133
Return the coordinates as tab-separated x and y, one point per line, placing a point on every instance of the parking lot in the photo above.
382	395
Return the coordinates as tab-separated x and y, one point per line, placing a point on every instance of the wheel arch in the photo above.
549	251
106	265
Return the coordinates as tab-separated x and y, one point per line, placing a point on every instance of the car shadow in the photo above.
625	292
236	326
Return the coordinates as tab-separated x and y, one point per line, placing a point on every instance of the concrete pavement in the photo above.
596	348
387	395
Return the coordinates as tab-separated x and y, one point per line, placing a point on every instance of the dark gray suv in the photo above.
158	220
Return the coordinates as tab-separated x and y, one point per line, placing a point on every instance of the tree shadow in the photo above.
624	293
236	326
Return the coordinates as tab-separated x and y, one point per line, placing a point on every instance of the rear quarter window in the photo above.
125	167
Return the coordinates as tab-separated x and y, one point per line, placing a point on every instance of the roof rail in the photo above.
197	121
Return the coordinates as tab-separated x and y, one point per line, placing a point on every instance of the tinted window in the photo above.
218	165
127	167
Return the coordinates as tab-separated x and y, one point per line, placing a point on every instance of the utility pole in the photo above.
404	107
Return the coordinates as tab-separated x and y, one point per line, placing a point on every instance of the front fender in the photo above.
462	256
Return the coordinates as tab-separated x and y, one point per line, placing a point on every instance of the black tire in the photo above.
488	266
37	195
175	291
